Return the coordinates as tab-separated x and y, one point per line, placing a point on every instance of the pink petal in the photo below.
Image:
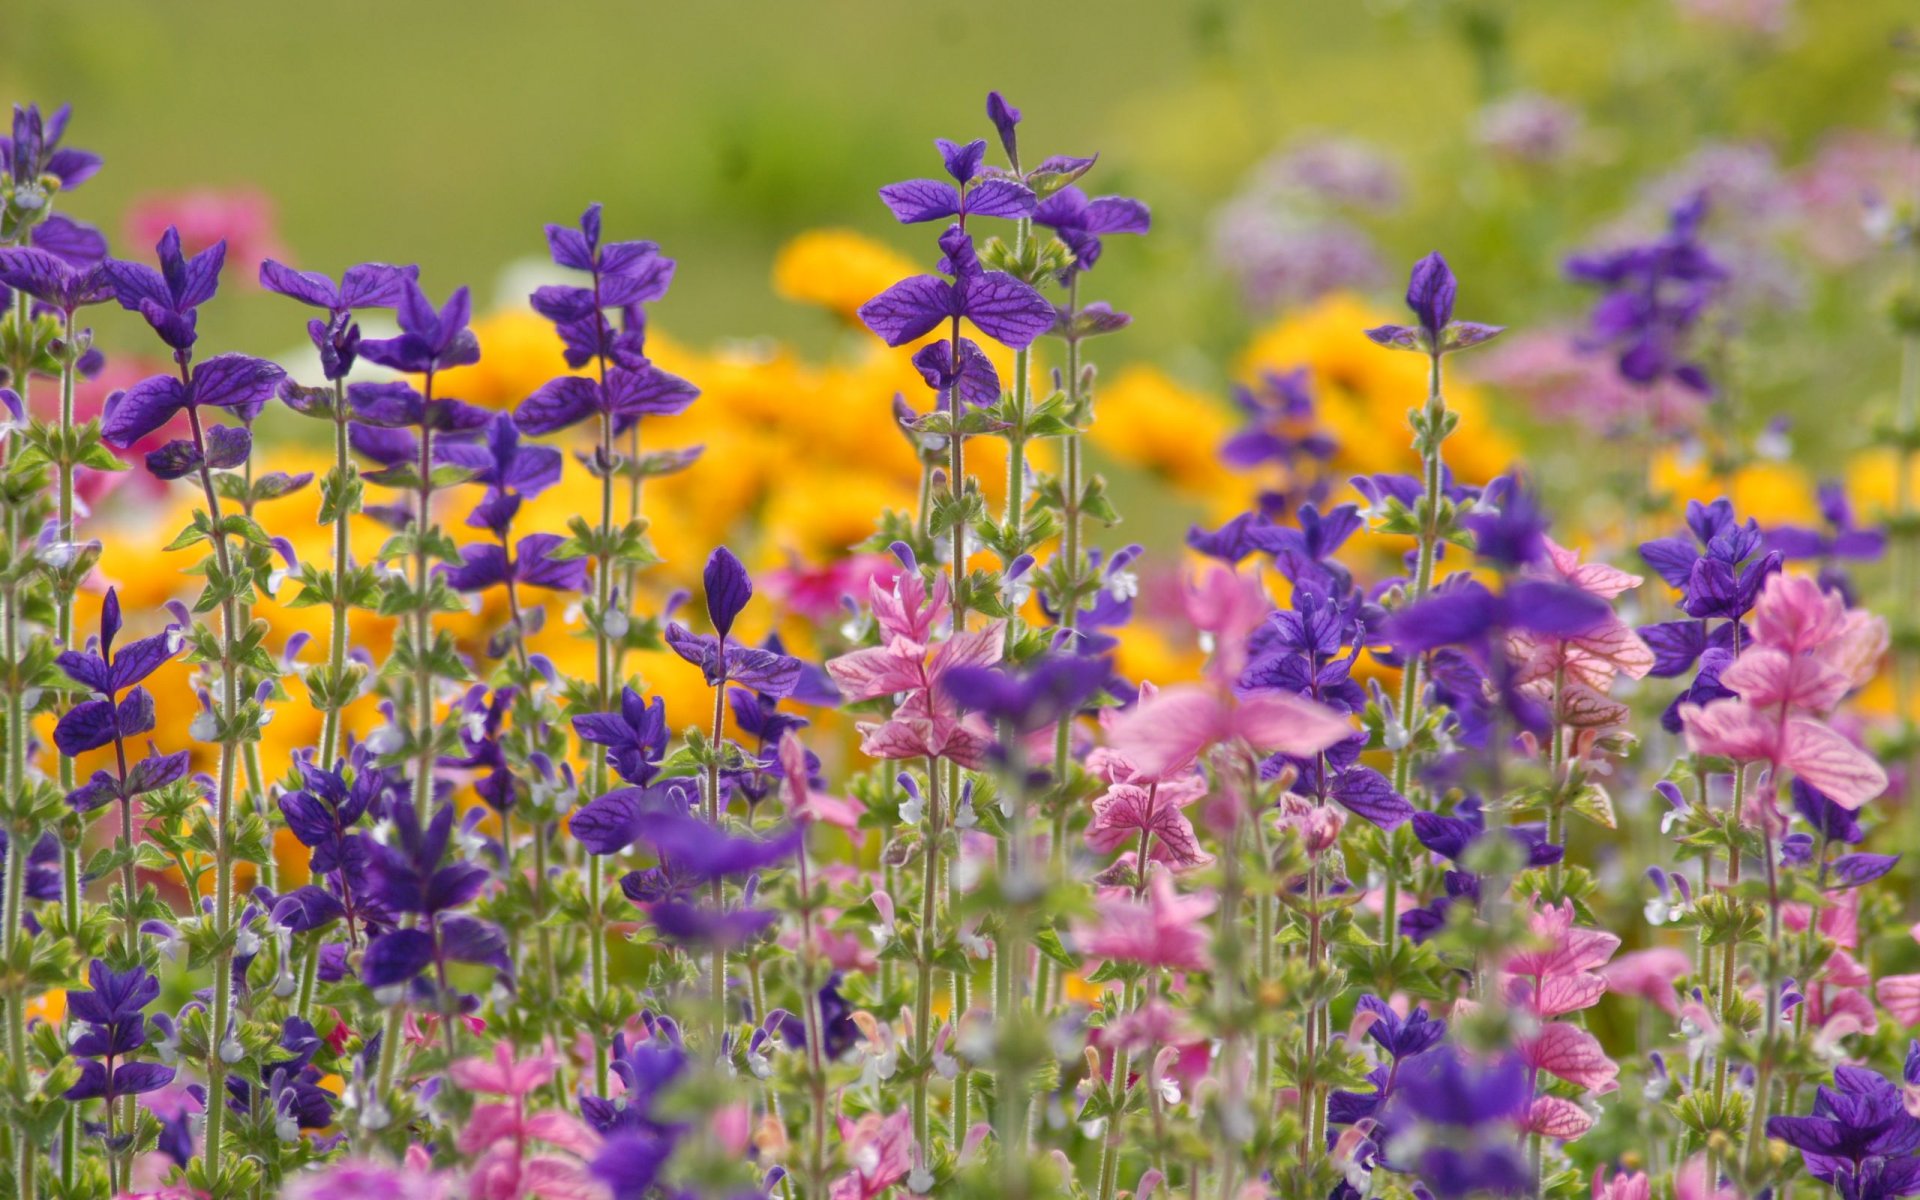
553	1178
1831	763
565	1131
1557	1117
1900	996
1164	733
1571	1053
1288	724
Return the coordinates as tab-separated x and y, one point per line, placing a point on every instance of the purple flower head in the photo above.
728	589
704	853
918	200
1513	534
230	381
1042	692
1828	819
609	824
34	150
1080	222
43	877
626	396
484	714
407	872
1000	306
1859	1138
1402	1037
635	737
170	297
531	564
1430	293
979	383
1717	571
1653	295
114	1012
625	273
337	338
1005	118
99	721
53	279
430	339
1469	614
510	469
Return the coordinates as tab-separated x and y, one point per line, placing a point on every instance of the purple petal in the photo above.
911	308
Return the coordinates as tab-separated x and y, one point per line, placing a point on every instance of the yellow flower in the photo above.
837	269
1772	493
519	351
1362	392
1146	419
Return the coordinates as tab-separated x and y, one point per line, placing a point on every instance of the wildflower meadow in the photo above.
465	745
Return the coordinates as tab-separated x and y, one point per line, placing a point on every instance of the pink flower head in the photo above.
1167	732
1163	930
1569	1052
1129	810
926	724
1559	977
1228	606
1317	826
360	1179
880	1151
806	804
1622	1186
241	217
1649	974
501	1075
815	592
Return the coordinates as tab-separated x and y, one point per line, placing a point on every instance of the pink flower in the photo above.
1163	930
1809	651
242	217
808	805
1560	977
1694	1181
358	1179
1649	974
1622	1186
499	1133
1129	810
1166	732
815	592
1317	826
880	1151
1228	606
925	724
501	1075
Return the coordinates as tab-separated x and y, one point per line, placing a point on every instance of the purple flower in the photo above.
35	150
609	824
510	469
107	719
1859	1137
1402	1037
1430	293
230	381
43	880
484	715
430	340
919	200
114	1012
337	338
487	565
1717	572
1468	613
1000	306
169	298
1042	692
1080	222
53	279
1653	296
626	275
635	737
1005	117
720	659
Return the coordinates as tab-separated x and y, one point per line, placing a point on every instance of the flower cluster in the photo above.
533	825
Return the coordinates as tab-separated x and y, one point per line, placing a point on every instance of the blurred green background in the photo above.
447	134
